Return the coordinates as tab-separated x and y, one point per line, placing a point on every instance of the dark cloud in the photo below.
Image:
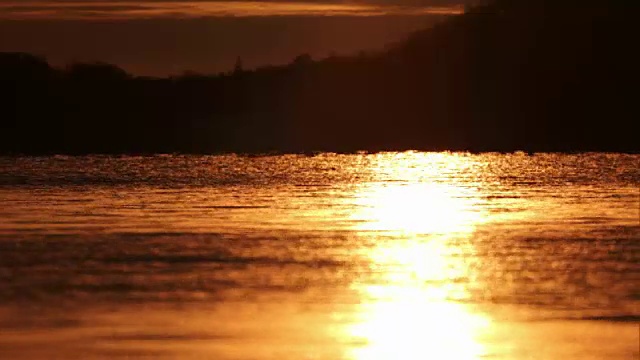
76	7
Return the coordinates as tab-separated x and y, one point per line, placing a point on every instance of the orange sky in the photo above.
189	9
169	37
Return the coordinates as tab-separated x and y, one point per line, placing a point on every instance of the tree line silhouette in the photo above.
533	75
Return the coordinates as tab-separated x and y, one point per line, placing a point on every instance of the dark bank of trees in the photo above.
535	75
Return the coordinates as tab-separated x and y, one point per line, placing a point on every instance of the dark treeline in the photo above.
539	75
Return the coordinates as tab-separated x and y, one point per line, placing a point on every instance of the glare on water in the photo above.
417	208
410	310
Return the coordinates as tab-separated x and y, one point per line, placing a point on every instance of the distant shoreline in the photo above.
320	153
530	75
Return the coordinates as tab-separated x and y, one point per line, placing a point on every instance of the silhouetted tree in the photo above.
303	60
237	68
96	72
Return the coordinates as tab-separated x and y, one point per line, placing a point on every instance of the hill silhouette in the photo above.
533	75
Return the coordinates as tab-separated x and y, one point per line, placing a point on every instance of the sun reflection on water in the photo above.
417	208
411	306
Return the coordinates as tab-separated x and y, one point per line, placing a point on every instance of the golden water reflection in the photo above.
413	306
410	310
417	208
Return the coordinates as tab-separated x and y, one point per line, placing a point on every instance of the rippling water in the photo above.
369	256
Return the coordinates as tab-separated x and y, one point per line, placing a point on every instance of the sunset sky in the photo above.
168	37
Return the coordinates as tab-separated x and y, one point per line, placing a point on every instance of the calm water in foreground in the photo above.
383	256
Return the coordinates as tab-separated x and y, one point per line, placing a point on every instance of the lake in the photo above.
363	256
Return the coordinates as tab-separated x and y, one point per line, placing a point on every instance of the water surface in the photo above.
365	256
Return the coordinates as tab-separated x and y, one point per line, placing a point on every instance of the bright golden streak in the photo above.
417	208
410	328
409	309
